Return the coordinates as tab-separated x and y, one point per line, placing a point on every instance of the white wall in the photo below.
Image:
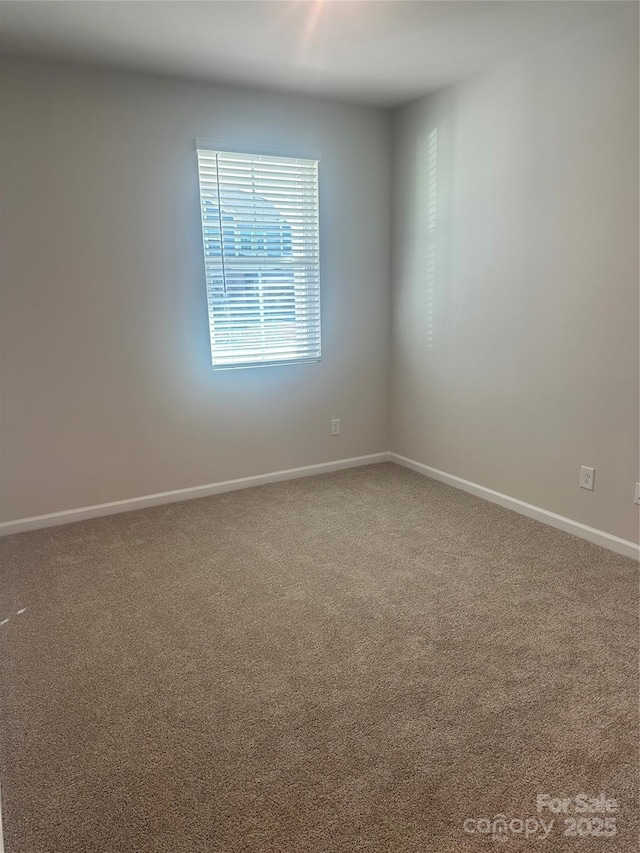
515	284
107	388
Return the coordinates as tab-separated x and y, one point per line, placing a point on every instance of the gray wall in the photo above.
514	305
515	283
107	388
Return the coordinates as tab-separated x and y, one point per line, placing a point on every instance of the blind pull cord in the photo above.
224	272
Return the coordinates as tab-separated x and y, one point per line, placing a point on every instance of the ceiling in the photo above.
384	52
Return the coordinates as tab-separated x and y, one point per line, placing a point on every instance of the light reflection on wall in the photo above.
431	199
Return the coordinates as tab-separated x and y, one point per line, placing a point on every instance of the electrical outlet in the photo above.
335	426
587	476
637	498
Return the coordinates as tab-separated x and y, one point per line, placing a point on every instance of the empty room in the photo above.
319	426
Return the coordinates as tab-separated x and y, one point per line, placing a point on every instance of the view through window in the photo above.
261	252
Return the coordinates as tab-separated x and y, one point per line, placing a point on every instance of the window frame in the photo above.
311	352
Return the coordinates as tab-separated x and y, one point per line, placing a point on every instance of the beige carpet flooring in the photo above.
352	662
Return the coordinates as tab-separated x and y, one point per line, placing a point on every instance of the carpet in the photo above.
366	660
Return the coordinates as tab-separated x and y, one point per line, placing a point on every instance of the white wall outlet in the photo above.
587	476
637	498
335	426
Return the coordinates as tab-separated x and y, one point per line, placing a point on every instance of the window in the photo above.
261	257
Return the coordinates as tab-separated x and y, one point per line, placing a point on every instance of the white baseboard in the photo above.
1	833
36	522
591	534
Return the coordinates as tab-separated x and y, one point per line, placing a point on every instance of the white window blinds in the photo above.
261	256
